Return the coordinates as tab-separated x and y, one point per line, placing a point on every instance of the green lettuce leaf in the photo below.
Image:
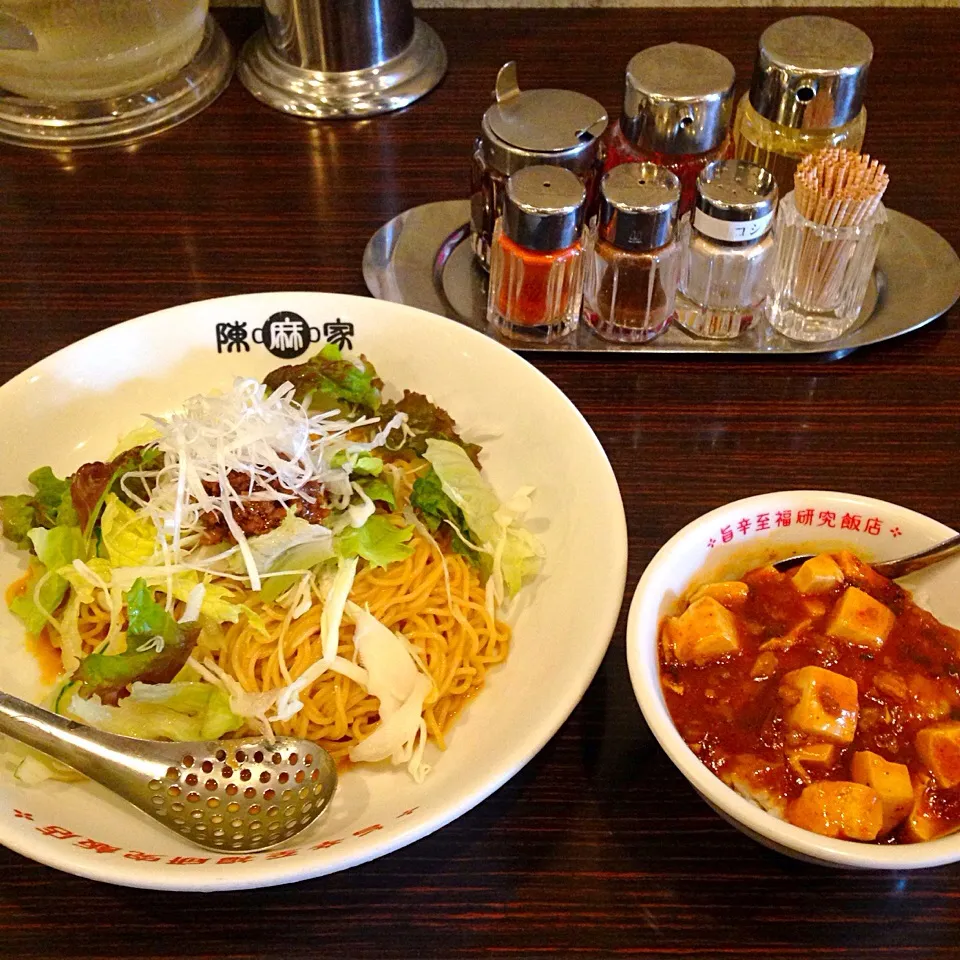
50	506
157	648
49	496
163	711
130	540
377	489
327	381
494	525
19	517
54	548
434	507
378	541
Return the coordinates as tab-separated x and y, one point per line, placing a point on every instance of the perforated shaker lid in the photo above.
543	208
811	72
677	99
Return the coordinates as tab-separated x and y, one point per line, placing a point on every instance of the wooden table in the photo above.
599	847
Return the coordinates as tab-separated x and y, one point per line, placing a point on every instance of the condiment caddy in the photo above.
693	236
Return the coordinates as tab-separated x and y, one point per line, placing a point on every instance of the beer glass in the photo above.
88	72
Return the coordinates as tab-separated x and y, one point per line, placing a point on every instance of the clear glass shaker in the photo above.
524	128
728	251
677	105
630	281
806	94
536	259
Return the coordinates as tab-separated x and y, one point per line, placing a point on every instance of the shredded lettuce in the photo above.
395	680
512	552
272	551
162	711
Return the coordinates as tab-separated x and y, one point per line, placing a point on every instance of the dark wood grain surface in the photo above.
599	848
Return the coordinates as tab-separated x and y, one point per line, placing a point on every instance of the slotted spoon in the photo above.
247	794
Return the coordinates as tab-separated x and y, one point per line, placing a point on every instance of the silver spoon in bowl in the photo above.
247	794
893	568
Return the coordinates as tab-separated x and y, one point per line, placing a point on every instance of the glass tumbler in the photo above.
76	73
822	273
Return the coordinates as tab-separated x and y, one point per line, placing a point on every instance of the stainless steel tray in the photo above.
420	258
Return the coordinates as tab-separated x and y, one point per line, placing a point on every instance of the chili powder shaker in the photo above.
806	94
728	250
536	261
677	105
524	128
633	261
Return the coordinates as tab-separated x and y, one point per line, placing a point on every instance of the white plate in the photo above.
73	406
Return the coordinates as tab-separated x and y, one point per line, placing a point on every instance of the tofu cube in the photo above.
891	783
939	748
924	822
817	755
818	575
823	703
728	592
838	808
705	631
859	619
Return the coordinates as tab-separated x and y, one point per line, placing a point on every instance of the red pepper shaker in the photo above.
677	106
536	259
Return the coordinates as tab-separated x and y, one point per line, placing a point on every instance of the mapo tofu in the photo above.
825	695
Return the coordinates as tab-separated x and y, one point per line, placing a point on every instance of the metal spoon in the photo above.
247	794
894	568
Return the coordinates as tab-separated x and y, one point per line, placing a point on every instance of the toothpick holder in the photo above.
821	273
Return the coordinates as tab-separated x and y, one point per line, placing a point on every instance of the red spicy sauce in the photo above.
731	711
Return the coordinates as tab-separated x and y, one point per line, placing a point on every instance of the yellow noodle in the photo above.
457	644
410	597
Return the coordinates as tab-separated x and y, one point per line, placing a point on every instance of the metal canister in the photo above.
524	128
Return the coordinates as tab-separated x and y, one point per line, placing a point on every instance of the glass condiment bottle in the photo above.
806	94
677	105
536	259
728	251
633	260
525	128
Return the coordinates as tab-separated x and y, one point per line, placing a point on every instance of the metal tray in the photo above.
420	258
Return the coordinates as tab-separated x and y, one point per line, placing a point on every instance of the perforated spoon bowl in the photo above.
894	568
248	794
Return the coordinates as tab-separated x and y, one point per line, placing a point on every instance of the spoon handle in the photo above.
95	753
917	561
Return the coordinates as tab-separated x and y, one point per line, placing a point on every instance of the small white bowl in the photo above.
747	533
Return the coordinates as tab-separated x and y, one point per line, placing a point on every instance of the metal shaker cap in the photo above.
543	208
638	206
736	190
811	72
678	99
526	127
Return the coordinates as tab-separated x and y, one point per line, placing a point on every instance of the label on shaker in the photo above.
731	230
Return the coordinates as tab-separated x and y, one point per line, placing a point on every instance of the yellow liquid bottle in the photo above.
806	94
779	149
